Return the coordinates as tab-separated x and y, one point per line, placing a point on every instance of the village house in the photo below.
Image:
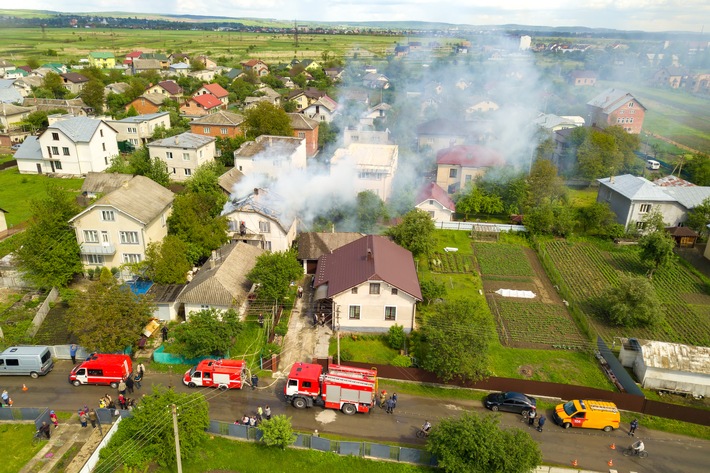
24	86
219	124
306	129
258	67
97	184
324	109
272	156
8	93
370	285
313	245
201	105
583	78
366	135
179	69
439	134
183	153
72	146
138	130
130	57
266	94
615	107
215	90
376	165
117	228
75	107
672	76
168	88
162	59
165	300
458	166
102	60
11	115
378	112
145	65
147	103
74	82
208	63
229	180
434	200
256	219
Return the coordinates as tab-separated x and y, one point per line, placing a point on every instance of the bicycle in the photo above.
422	434
38	437
630	452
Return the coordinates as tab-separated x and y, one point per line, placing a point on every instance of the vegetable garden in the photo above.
502	259
451	263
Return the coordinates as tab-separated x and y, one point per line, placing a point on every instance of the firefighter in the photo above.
383	398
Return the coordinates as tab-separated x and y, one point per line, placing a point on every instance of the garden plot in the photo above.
451	263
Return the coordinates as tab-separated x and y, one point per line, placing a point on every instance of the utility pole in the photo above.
177	439
336	312
295	33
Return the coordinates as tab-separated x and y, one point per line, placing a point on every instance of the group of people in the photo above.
389	404
87	415
254	420
532	413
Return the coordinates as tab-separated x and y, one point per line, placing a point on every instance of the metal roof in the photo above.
220	118
229	179
77	129
636	188
435	192
143	118
611	99
29	149
674	356
688	197
183	140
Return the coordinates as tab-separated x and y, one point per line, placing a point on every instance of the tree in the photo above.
277	432
53	83
49	255
599	155
196	220
698	168
543	184
432	290
370	208
158	172
477	201
598	219
274	273
209	332
267	119
205	180
148	435
166	262
415	232
226	147
93	95
454	341
109	317
656	250
699	217
476	443
633	303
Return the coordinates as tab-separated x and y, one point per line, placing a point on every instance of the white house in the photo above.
434	200
139	129
270	155
183	153
371	284
376	165
117	228
322	110
73	147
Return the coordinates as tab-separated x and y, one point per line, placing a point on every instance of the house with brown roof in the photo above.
615	107
672	76
434	200
147	103
257	66
169	88
313	245
458	166
684	237
371	284
201	105
216	90
219	124
209	64
306	129
73	81
221	283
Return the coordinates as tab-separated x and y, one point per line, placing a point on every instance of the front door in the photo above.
39	168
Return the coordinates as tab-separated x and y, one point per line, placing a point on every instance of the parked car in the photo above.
510	402
16	146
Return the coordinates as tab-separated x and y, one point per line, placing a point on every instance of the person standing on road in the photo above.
5	398
531	417
254	381
259	414
72	352
633	426
267	412
541	423
129	385
92	418
122	387
394	398
300	292
390	406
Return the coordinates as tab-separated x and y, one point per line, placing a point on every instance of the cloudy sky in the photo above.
646	15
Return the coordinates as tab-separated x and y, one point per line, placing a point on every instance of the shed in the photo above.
670	367
684	237
165	298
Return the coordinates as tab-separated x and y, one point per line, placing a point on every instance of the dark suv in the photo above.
510	402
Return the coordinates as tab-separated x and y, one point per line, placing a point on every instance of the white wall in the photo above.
372	308
279	240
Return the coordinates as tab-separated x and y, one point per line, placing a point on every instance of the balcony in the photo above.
98	249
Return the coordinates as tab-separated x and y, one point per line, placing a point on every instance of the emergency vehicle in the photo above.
102	369
222	374
587	414
342	387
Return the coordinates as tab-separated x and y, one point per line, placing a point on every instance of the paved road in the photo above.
668	453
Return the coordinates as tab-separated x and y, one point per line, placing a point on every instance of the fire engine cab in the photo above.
101	368
346	388
222	374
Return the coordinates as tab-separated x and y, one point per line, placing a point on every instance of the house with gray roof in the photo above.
139	129
371	284
229	180
222	281
8	93
75	107
614	107
72	147
11	114
117	228
100	183
183	153
632	198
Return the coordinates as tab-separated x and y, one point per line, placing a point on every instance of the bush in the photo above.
277	432
401	361
272	348
346	355
396	337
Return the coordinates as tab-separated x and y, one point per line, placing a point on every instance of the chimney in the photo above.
177	140
256	191
369	254
213	259
611	180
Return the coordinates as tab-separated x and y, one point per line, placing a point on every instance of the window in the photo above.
57	165
224	131
432	214
395	291
185	156
301	134
95	372
374	288
103	146
12	362
264	227
91	236
206	129
468	178
431	202
354	312
132	130
55	150
133	141
65	151
631	104
108	216
101	133
267	245
353	290
131	258
640	225
204	307
188	172
169	154
95	259
55	136
453	172
390	313
174	171
645	208
130	238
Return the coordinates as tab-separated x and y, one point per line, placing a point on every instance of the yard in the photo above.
16	441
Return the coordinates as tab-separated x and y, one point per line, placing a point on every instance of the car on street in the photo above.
16	146
510	402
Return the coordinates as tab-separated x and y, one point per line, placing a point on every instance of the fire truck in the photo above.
222	374
342	387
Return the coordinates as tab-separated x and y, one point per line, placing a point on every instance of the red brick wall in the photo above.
143	106
311	140
216	130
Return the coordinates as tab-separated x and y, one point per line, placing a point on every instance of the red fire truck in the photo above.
223	374
101	368
346	388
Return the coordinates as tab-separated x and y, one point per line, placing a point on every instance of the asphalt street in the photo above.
668	453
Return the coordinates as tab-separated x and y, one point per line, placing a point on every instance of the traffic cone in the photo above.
610	462
24	387
574	462
612	446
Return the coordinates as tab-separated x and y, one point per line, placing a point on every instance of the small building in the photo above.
313	245
169	88
102	60
583	78
219	124
215	90
139	129
434	200
183	153
669	367
684	237
376	166
201	105
74	82
147	103
272	156
165	299
458	166
439	134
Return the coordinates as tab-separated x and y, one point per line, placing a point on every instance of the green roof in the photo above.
101	55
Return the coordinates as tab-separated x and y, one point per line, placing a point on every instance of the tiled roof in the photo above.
207	101
183	140
221	118
612	99
134	54
73	106
470	156
313	245
681	232
370	258
103	182
302	122
216	90
77	129
171	87
165	292
146	64
7	109
435	192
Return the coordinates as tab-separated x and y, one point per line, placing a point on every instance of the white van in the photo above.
653	165
35	361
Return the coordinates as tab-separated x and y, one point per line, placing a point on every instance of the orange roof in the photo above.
207	101
216	90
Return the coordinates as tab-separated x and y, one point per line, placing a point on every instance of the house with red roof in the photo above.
257	66
434	200
200	105
215	90
130	57
368	285
460	165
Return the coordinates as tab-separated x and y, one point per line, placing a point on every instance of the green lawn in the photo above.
453	238
18	190
222	454
364	348
16	441
582	197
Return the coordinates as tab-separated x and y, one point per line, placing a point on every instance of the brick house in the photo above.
307	129
147	103
615	107
223	124
460	165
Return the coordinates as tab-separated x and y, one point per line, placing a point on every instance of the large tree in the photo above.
166	261
656	250
475	443
54	84
148	435
209	332
543	184
93	95
108	317
415	232
599	155
699	169
267	119
633	303
49	255
478	201
196	220
369	210
274	272
699	217
454	340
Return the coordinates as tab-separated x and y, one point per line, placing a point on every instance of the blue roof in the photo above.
29	150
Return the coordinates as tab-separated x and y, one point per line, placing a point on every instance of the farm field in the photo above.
502	259
586	270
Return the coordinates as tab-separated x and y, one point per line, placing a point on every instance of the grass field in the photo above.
18	190
365	348
16	440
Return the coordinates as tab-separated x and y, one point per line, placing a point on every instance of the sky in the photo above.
644	15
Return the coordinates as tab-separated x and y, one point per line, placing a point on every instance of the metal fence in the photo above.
341	447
